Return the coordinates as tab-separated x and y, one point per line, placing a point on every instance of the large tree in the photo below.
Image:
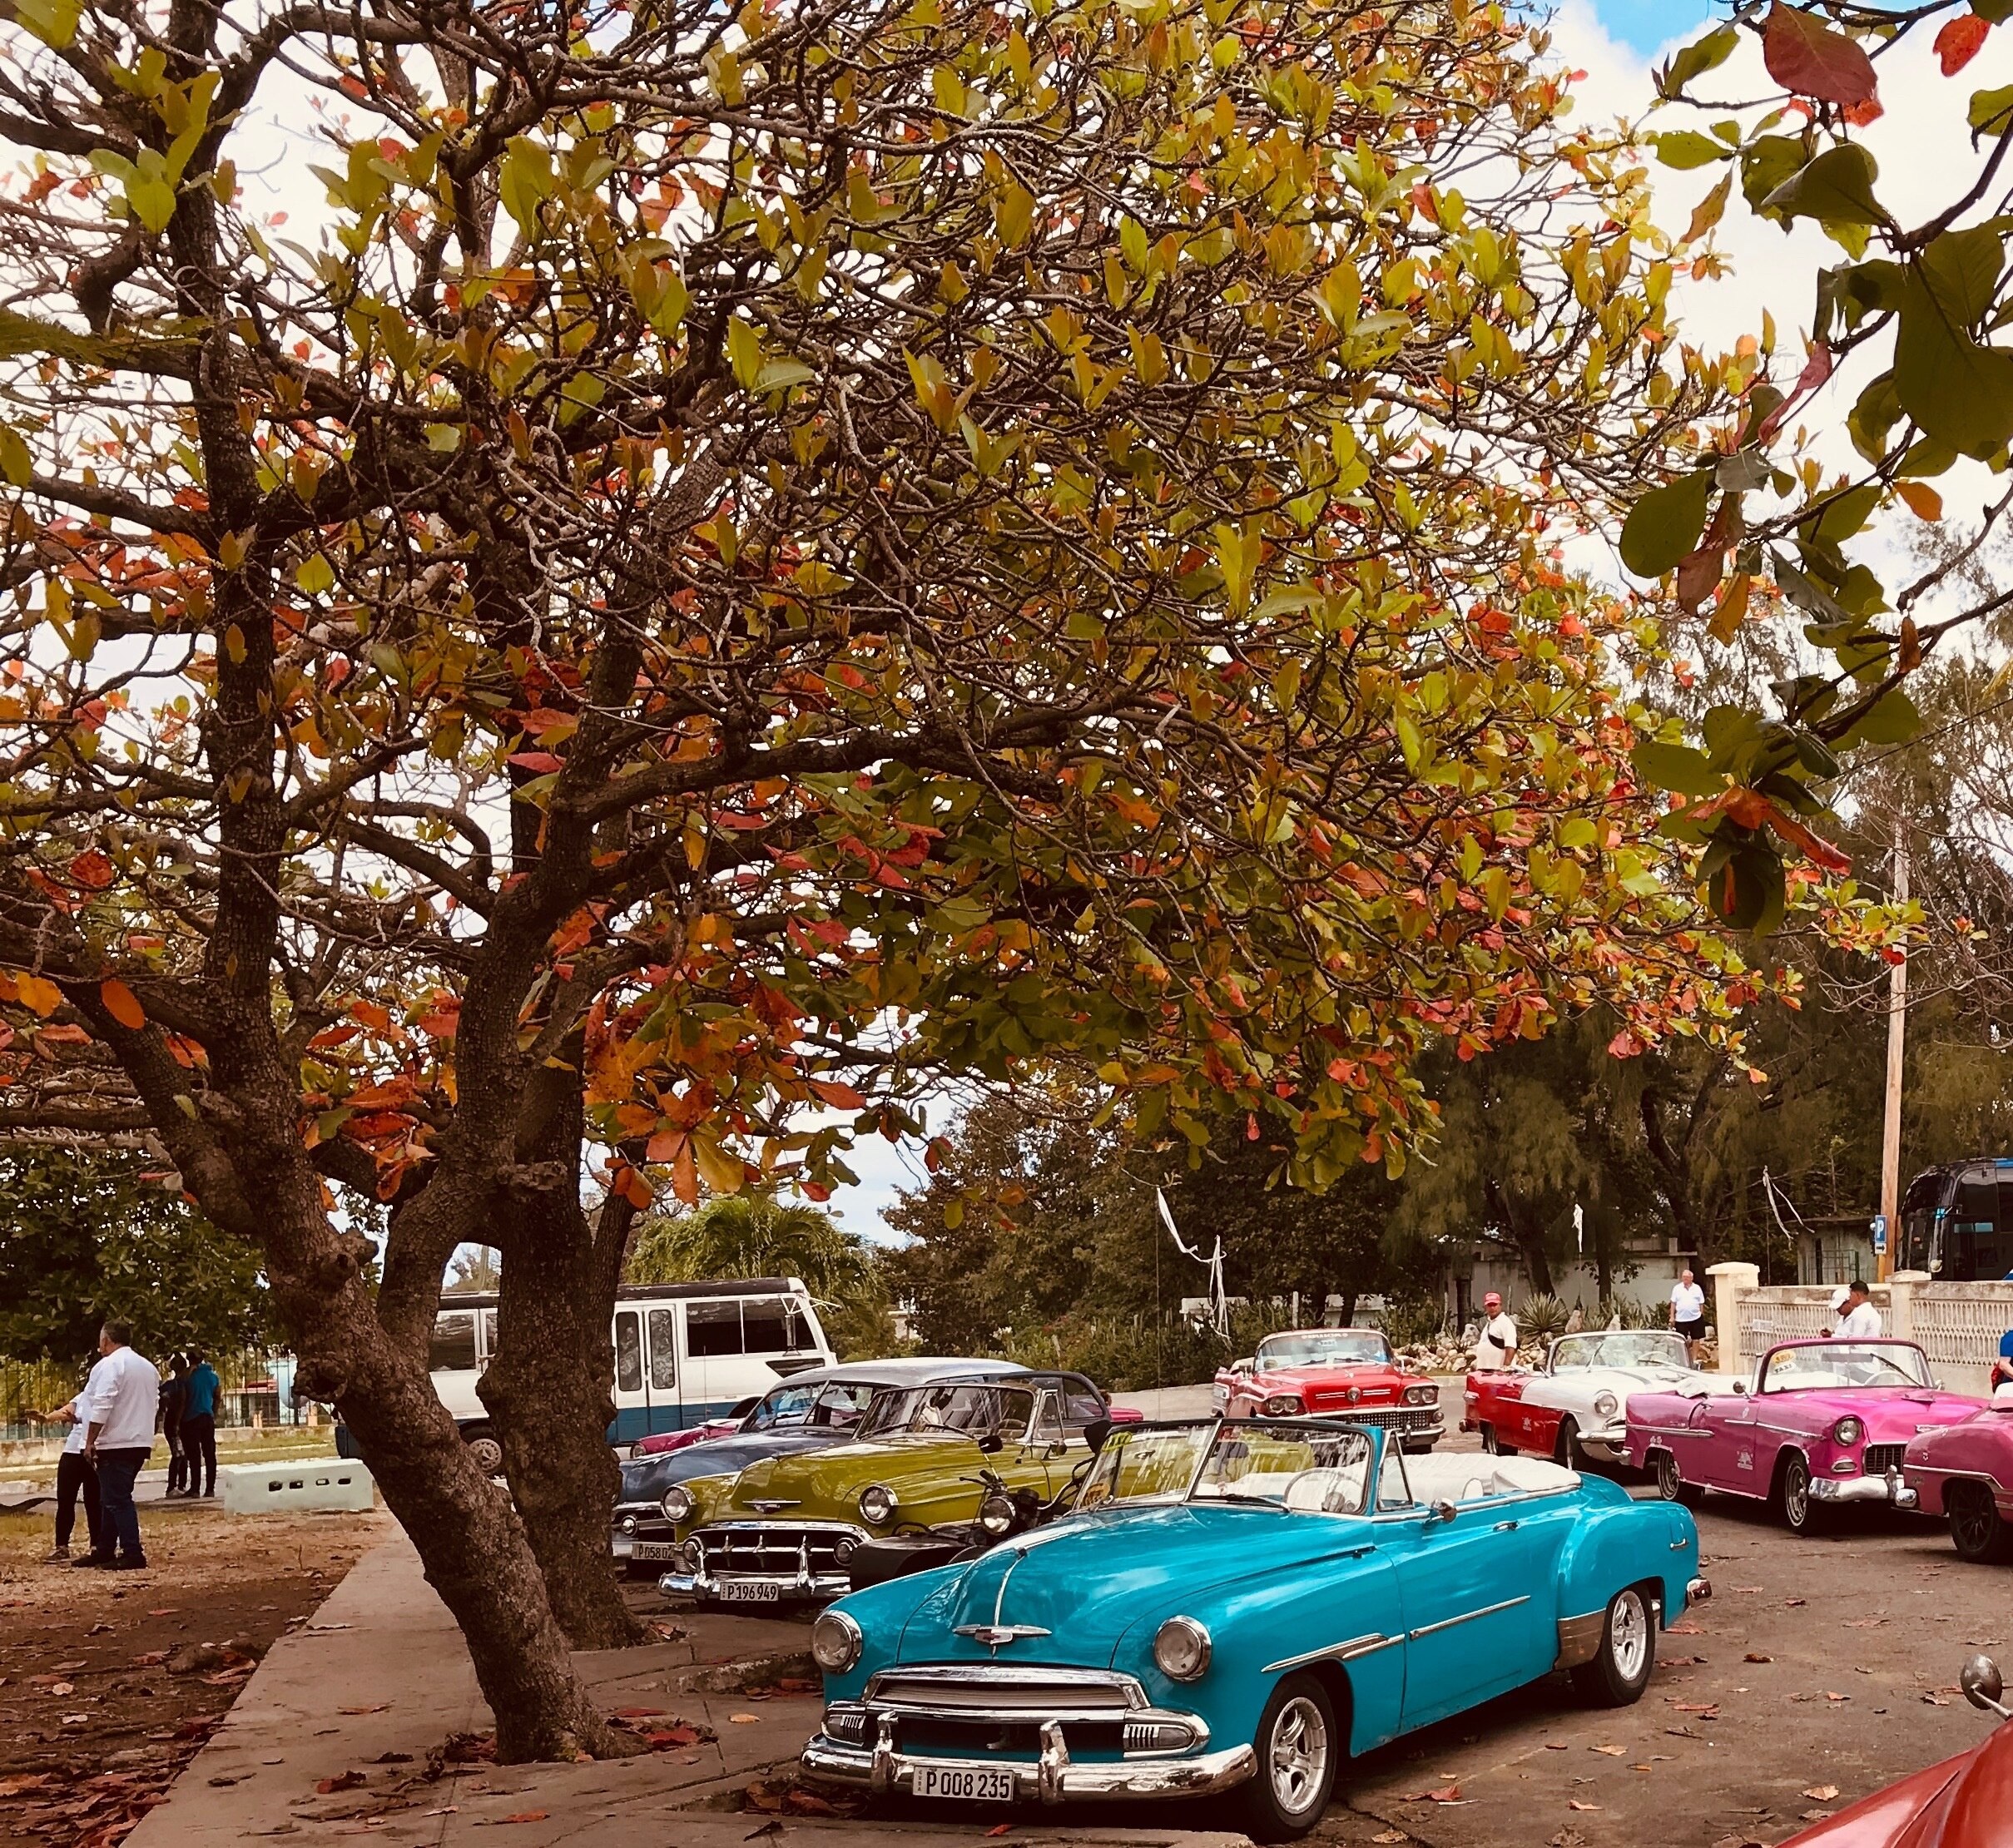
748	558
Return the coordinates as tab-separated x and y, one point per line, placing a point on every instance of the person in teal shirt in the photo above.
199	1426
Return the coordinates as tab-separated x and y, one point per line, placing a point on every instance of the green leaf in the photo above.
1765	163
1684	148
53	22
442	438
1961	269
1893	719
1677	767
314	574
15	462
1746	889
1991	111
1836	188
1664	525
1960	392
745	353
523	179
1697	58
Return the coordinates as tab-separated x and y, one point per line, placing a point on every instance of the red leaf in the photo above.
524	1816
1957	44
1806	56
346	1780
839	1097
122	1004
92	870
541	761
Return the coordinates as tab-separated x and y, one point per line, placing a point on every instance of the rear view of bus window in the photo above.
663	1349
628	1352
712	1328
454	1348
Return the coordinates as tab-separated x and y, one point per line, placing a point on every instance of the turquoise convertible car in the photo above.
1240	1607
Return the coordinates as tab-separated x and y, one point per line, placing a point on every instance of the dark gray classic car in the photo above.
809	1411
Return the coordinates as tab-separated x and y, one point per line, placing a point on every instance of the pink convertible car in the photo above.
1822	1423
1966	1471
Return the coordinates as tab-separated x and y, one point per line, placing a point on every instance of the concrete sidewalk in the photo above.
379	1679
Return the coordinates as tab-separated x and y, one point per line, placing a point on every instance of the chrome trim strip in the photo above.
1334	1651
1466	1616
1579	1638
1053	1778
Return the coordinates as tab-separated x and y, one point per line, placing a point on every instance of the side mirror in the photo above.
1241	1366
1740	1388
1979	1679
991	1445
1443	1511
1096	1432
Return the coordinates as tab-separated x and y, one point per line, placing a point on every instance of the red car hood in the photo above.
1962	1803
1375	1383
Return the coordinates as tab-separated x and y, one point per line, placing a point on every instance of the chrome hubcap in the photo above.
1299	1756
1795	1495
1628	1635
1668	1479
488	1455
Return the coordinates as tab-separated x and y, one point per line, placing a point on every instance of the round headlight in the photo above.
1847	1430
836	1642
678	1504
1181	1647
843	1548
1605	1404
997	1515
1284	1405
877	1503
1421	1395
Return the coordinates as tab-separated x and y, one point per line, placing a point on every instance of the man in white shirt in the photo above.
76	1478
1862	1319
1688	1312
1497	1348
125	1395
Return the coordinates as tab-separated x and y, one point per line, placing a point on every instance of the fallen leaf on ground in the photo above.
70	1667
1551	1745
152	1658
382	1707
524	1816
1790	1604
1710	1711
1747	1588
1829	1696
32	1781
1822	1793
1006	1828
1680	1661
1815	1815
1755	1655
1388	1835
344	1780
635	1712
62	1687
1612	1751
744	1719
1574	1803
1683	1630
1682	1732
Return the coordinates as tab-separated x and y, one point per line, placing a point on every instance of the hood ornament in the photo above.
995	1635
771	1507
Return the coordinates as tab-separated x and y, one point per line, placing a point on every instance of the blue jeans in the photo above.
117	1472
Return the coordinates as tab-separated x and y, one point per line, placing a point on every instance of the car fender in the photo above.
1340	1621
1623	1542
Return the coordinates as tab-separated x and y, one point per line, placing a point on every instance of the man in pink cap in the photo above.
1497	1349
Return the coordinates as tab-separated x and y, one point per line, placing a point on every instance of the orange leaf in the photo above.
122	1004
92	870
685	1174
1956	45
1924	501
39	992
839	1097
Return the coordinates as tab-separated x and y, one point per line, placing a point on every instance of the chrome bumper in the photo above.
799	1584
1889	1488
1698	1591
1052	1778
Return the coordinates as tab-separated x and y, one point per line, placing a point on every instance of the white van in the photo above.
684	1353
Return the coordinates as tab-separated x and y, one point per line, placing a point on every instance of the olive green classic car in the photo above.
786	1528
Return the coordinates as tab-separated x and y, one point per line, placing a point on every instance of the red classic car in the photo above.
1572	1407
1966	1471
1348	1373
1822	1422
1963	1802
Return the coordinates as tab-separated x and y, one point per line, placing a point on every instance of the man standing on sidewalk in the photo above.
173	1396
199	1424
124	1394
1687	1313
75	1476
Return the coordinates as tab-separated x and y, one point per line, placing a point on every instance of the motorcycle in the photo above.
1004	1512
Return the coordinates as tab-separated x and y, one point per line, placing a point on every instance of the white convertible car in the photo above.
1576	1408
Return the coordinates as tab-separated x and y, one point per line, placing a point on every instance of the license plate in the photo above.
756	1592
654	1549
965	1783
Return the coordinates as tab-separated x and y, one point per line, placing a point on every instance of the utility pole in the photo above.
1897	1005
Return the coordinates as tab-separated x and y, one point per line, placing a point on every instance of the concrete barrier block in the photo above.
318	1485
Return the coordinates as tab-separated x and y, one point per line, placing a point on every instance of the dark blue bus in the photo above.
1957	1222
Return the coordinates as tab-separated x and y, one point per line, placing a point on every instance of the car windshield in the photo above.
784	1405
1323	1347
1835	1364
1296	1468
975	1411
1622	1348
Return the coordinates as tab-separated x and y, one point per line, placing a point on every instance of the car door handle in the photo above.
1504	1527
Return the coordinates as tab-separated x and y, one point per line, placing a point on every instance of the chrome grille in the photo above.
774	1548
1388	1418
1880	1457
1024	1691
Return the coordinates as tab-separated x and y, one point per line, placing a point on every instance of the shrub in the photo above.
1540	1319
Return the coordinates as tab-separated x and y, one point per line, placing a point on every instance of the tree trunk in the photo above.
549	1391
1527	1235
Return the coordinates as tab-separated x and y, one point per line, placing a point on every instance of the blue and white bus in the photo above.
684	1353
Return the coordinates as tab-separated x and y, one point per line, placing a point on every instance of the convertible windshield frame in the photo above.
1268	1356
1333	1448
902	1412
1671	1350
1888	1354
